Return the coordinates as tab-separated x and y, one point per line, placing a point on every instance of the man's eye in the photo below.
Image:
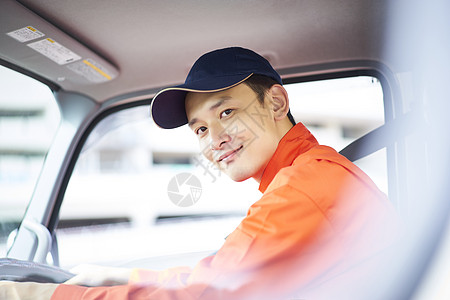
226	112
200	130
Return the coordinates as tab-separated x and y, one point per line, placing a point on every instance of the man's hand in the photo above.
92	275
26	290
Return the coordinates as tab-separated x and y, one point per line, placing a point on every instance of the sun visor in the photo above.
32	43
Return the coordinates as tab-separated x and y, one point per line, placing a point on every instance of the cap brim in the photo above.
168	107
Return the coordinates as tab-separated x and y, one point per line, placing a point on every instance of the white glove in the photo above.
93	275
26	290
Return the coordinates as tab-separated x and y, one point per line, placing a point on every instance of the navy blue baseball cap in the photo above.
212	72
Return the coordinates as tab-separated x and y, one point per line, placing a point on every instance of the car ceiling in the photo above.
146	45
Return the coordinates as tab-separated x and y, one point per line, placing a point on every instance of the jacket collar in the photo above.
295	142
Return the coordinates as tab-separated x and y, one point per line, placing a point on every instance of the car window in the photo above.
29	118
139	191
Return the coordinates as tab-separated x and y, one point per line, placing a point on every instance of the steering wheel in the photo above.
20	270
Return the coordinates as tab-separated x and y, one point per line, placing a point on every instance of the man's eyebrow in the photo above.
192	122
212	107
219	103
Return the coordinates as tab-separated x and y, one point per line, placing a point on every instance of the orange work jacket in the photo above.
319	217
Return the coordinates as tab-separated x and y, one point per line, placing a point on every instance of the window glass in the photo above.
29	118
338	111
144	196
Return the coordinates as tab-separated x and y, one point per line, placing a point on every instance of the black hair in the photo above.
260	84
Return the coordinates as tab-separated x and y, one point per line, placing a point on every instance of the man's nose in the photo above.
219	137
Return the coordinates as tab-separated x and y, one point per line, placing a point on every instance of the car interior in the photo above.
103	62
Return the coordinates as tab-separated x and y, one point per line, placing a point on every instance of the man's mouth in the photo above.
228	156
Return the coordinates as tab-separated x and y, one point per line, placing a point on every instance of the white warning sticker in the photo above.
91	70
55	51
26	34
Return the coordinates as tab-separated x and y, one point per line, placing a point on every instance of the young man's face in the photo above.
236	133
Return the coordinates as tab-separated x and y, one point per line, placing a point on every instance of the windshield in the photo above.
29	117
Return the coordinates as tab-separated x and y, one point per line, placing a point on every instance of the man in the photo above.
320	219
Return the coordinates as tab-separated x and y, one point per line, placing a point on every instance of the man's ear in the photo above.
280	101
